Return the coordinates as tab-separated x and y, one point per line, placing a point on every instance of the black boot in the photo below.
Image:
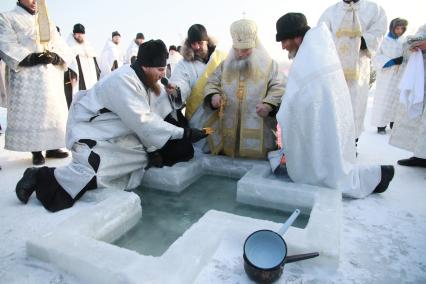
38	158
391	125
27	184
413	162
387	173
381	130
57	153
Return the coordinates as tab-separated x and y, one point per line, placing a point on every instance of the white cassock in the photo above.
409	132
84	65
37	110
124	120
317	124
367	19
111	52
386	95
173	60
132	51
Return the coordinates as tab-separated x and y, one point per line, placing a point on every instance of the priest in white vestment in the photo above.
85	68
132	50
112	56
114	131
186	85
316	115
357	27
174	58
409	131
387	63
36	57
244	92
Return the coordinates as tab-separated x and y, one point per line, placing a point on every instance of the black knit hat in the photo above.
291	25
140	36
153	53
197	32
115	33
79	28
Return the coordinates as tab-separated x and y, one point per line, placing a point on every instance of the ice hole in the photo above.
167	215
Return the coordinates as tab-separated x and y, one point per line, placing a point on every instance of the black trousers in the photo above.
52	195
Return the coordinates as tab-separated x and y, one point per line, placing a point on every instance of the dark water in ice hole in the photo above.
167	215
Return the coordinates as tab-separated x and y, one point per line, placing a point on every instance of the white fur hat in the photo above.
244	34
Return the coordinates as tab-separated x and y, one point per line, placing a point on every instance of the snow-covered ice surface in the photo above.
382	238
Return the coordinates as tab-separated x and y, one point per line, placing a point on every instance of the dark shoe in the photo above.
381	130
387	175
38	158
57	153
391	125
413	162
26	185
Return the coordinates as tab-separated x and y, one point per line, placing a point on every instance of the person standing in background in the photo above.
36	57
112	56
132	50
84	71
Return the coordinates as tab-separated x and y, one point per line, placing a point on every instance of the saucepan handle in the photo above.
297	257
288	223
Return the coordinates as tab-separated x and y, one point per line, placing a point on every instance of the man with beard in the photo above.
244	92
84	72
316	115
113	131
186	85
358	27
132	50
36	57
112	56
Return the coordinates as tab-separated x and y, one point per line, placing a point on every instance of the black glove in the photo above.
154	160
41	58
55	59
363	44
194	134
398	60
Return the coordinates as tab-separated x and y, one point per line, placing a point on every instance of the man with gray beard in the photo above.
244	93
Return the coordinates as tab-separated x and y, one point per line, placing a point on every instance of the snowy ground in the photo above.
383	236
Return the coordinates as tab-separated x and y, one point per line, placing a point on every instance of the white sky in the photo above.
170	20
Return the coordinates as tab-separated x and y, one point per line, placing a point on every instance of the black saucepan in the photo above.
265	253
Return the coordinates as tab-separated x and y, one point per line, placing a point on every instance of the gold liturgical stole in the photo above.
43	25
197	93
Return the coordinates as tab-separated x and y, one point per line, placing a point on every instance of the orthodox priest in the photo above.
132	50
112	56
200	59
114	130
245	92
316	118
409	132
36	58
85	68
358	27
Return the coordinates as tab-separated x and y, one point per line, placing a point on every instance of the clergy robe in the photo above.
410	133
112	57
386	95
37	110
118	121
132	52
239	131
85	64
317	122
373	26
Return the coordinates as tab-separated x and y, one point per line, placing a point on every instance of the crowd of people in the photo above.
122	121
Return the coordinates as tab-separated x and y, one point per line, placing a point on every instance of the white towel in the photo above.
412	85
